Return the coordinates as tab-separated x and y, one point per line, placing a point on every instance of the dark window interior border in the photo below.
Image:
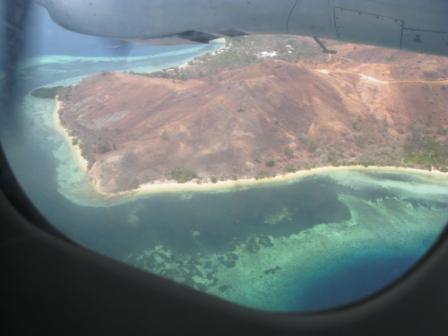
416	304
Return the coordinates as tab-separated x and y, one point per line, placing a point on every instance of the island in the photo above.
262	107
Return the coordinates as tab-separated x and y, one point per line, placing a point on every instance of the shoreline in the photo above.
222	45
168	186
75	149
232	185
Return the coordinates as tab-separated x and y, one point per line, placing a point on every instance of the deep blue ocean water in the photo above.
311	244
351	280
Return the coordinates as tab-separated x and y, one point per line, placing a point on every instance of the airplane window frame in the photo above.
21	203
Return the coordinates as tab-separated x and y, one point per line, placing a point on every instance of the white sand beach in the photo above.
81	161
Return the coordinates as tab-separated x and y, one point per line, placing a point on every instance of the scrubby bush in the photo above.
290	169
47	92
425	150
310	144
289	153
182	175
270	163
261	175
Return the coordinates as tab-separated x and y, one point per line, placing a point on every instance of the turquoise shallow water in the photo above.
310	244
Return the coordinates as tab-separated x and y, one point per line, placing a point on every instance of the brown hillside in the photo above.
264	119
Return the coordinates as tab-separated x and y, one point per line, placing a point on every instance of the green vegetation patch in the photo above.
149	75
426	151
270	163
290	169
289	153
262	174
311	145
48	92
182	175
